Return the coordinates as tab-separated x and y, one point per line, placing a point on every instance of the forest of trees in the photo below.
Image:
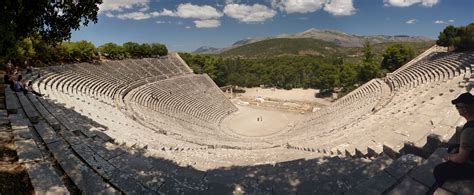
36	33
325	73
457	38
36	51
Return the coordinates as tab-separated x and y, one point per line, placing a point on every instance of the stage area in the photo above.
252	122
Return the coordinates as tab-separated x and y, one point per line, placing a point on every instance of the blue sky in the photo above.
185	25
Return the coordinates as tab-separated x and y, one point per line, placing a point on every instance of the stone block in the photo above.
70	137
17	121
127	184
103	136
46	132
403	165
390	151
105	150
441	191
30	111
28	151
44	179
21	134
5	136
460	187
60	150
86	180
11	102
375	185
409	186
424	172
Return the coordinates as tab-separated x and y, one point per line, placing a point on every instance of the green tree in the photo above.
23	52
53	20
159	49
465	39
145	50
447	37
132	49
328	77
460	38
210	65
368	71
368	52
112	51
348	76
396	55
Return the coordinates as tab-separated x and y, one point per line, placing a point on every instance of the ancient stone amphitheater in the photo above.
147	126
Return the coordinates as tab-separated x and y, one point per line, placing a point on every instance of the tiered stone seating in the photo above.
156	107
416	102
190	96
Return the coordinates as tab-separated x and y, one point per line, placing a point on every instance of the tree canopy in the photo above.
396	55
52	20
35	51
460	38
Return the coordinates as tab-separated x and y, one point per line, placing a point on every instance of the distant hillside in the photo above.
285	46
309	46
206	50
347	40
303	43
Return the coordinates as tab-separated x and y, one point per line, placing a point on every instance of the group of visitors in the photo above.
14	78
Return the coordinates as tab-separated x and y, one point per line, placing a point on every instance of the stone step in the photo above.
44	113
11	101
456	187
424	172
29	109
387	178
44	179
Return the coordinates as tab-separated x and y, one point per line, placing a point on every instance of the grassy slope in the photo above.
314	47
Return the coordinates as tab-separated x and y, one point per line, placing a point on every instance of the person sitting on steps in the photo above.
459	163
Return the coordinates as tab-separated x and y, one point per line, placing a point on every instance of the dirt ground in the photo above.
254	122
298	94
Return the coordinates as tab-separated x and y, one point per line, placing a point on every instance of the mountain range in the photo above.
332	36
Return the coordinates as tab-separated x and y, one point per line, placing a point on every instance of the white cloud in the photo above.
141	15
144	8
204	12
207	23
120	5
162	22
167	12
439	22
187	27
407	3
340	7
451	21
134	16
412	21
249	13
110	15
298	6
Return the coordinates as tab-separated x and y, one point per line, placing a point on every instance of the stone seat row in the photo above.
185	96
117	123
92	164
356	103
442	68
86	105
324	125
194	133
426	55
119	168
408	121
